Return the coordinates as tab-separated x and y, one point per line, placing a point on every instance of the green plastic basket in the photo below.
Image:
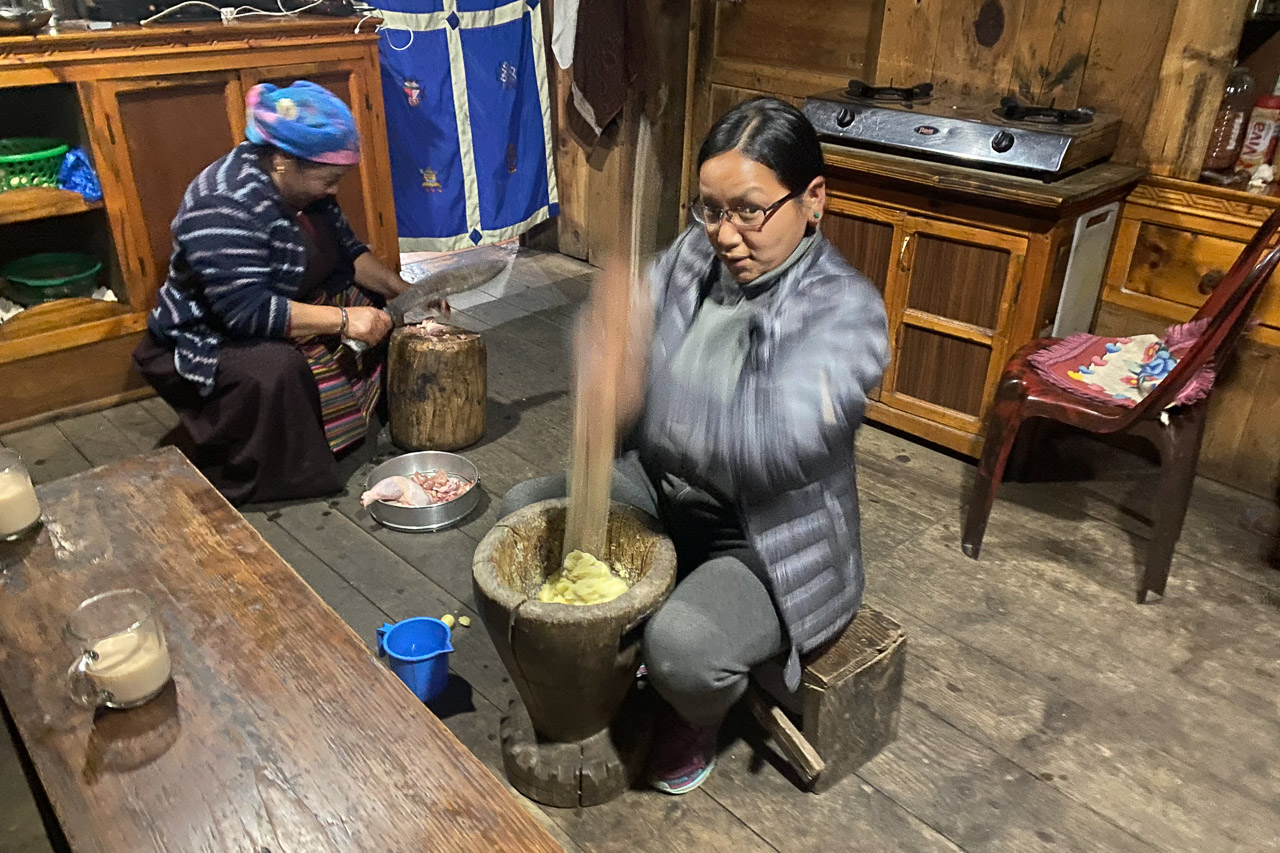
30	162
49	276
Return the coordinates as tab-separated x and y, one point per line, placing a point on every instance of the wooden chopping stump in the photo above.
436	388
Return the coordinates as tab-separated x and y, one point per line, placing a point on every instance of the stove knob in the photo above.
844	118
1002	141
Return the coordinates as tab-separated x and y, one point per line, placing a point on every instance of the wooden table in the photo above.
280	732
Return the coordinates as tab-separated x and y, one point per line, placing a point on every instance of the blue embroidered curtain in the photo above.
468	120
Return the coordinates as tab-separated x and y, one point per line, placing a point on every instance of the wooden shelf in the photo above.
56	327
41	203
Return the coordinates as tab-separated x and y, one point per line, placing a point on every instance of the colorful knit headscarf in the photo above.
305	120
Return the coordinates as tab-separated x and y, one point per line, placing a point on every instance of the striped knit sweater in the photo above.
238	258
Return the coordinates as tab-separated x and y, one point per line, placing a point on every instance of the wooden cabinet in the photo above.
971	266
949	306
150	136
155	106
949	291
1175	241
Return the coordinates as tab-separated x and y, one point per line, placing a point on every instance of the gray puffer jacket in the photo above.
782	449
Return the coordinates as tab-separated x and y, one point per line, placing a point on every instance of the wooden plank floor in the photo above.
1044	709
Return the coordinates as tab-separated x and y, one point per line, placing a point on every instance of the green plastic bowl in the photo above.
49	276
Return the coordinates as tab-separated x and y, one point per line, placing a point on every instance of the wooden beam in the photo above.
1202	45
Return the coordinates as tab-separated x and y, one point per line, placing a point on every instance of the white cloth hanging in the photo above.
564	30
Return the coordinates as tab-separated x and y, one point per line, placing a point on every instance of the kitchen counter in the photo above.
1034	196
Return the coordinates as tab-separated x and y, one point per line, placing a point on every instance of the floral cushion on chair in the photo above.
1122	371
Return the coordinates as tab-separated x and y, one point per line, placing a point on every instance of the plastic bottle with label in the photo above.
1232	121
1261	133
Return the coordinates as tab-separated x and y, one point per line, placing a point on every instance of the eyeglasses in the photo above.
746	218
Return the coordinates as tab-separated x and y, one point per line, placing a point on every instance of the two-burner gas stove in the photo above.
1012	137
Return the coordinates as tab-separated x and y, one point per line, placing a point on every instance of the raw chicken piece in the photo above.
425	488
432	481
433	328
441	485
401	491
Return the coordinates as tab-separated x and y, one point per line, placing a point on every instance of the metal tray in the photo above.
424	519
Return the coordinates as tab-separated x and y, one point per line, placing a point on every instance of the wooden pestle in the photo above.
605	327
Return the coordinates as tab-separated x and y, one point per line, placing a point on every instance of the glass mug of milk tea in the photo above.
124	661
19	509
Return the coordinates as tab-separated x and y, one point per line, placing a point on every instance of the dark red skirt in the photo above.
259	436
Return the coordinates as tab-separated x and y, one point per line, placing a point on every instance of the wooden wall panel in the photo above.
905	46
977	43
1123	71
609	187
1052	50
831	36
594	187
572	175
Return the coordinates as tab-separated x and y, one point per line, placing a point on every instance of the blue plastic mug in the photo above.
418	650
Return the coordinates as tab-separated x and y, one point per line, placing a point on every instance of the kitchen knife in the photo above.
412	306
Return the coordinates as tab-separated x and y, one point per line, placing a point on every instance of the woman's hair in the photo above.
772	133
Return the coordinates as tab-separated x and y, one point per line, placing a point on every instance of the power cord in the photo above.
228	14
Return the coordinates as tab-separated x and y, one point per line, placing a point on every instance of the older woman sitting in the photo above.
265	282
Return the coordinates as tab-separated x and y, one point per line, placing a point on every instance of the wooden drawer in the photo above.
1182	266
1172	249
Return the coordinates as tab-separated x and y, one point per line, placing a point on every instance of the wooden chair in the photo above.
1024	393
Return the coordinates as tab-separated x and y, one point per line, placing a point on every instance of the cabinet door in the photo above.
150	137
950	300
866	236
364	193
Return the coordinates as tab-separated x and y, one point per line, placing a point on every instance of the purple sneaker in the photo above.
683	756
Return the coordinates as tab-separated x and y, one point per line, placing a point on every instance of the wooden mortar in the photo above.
572	665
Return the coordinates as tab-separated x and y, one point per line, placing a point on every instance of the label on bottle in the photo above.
1259	137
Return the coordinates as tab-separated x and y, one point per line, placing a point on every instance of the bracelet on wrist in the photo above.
342	329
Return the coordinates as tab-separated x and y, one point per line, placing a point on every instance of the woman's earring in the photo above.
817	216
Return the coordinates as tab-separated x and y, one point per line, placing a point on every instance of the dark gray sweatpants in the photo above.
718	623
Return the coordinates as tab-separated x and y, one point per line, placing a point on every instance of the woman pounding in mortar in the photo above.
746	394
266	281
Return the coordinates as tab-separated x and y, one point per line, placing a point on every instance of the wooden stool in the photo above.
847	701
436	389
